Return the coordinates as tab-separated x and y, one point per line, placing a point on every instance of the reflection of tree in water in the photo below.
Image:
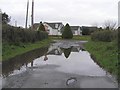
67	51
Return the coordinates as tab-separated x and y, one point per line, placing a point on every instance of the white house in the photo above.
57	28
76	30
53	28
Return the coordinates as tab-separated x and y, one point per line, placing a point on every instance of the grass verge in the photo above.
77	37
105	54
9	51
83	38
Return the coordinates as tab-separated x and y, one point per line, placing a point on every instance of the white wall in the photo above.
79	31
54	31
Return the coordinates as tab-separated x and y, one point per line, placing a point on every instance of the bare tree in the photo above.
110	25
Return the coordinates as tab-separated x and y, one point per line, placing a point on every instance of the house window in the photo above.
56	25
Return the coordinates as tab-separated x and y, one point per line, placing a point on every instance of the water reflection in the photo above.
45	58
51	61
17	63
67	51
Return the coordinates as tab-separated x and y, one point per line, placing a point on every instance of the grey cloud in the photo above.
75	12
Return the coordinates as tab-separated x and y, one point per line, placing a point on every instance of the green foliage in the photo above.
67	33
11	50
15	35
105	35
5	18
41	27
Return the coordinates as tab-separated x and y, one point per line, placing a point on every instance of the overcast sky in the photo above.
74	12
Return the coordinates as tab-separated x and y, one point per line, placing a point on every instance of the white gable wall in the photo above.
80	31
54	32
50	30
77	32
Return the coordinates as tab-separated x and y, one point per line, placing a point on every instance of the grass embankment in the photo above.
105	54
10	51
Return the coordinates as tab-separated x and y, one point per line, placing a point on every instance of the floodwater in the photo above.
64	64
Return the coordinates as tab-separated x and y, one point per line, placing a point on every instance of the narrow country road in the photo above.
65	65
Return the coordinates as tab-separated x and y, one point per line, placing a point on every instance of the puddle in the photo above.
70	57
18	64
66	57
71	81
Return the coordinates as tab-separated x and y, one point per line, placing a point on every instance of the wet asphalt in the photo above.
76	71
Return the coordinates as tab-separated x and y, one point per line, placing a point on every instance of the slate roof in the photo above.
74	27
90	28
36	25
53	24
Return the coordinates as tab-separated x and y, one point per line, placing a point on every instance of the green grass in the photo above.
10	51
86	38
55	37
105	53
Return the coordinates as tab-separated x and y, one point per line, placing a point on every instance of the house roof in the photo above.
74	49
53	24
90	28
36	25
74	27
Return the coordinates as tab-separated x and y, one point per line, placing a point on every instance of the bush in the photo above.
67	33
17	35
105	35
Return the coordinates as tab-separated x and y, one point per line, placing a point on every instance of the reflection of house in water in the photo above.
58	50
54	50
76	49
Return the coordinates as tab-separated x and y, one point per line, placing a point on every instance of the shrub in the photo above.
105	35
67	33
17	35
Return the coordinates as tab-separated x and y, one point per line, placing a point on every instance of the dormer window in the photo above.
56	25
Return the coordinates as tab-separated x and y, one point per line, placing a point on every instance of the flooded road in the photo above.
64	64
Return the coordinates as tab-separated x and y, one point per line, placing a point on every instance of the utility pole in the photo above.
27	14
32	16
